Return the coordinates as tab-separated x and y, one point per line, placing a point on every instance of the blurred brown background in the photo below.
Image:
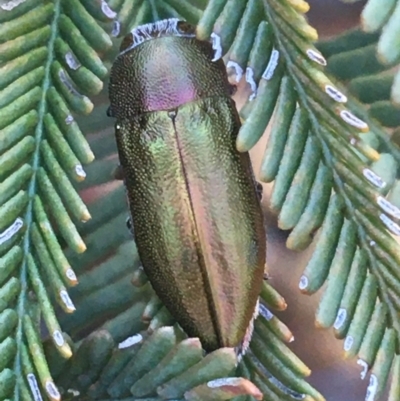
337	379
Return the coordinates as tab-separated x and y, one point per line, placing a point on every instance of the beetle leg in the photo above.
119	173
259	190
109	112
129	225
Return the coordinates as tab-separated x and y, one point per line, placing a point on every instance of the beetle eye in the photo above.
186	28
126	42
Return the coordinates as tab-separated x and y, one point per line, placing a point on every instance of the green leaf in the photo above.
316	146
49	63
329	178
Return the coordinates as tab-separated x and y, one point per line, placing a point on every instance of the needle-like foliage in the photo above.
335	171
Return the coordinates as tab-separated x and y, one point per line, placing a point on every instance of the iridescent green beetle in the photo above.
196	213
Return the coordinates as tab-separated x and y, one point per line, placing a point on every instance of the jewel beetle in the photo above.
194	203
